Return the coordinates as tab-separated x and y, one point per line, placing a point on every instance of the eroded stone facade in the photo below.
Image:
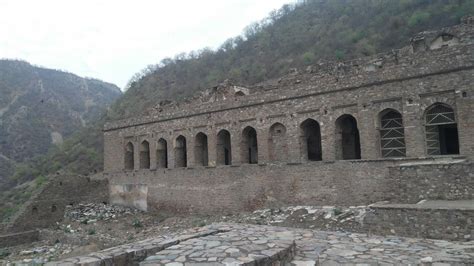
325	135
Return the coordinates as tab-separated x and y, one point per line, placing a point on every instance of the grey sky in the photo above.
113	39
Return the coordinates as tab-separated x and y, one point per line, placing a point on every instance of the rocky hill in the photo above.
39	108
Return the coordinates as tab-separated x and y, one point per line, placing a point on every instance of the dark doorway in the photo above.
249	146
311	140
224	148
200	150
347	138
180	152
162	154
441	130
129	160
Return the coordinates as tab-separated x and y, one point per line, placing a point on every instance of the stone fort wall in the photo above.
223	149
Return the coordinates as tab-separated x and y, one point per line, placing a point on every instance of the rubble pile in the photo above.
92	212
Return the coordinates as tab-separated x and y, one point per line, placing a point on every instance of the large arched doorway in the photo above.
224	148
180	153
200	150
129	154
249	147
162	154
392	134
441	130
310	139
277	143
347	138
145	155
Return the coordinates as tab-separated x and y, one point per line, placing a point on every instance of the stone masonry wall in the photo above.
417	182
408	81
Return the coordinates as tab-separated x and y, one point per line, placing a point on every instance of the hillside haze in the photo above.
41	107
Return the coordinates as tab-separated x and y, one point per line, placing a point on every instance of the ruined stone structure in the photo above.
335	133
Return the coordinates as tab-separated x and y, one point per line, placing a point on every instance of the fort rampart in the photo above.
327	135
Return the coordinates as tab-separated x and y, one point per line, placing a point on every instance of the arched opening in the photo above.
249	148
239	94
277	143
200	150
180	153
441	130
54	208
311	140
224	148
145	155
162	154
129	160
347	138
392	134
34	210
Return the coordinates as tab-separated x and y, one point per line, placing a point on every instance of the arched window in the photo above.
347	138
441	130
34	210
200	150
224	148
277	143
180	153
392	134
145	155
311	140
162	154
54	208
129	160
249	148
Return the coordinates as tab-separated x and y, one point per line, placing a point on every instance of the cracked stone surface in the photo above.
242	244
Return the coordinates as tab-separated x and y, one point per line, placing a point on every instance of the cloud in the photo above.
112	40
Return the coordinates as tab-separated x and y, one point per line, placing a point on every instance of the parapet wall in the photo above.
246	188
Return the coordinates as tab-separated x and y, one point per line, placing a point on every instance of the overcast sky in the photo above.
113	39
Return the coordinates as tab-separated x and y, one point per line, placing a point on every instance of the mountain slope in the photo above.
294	36
40	107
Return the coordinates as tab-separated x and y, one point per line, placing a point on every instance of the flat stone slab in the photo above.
467	205
242	244
251	246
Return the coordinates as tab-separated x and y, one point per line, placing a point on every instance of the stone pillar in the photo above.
262	144
328	132
136	155
413	122
367	133
190	142
152	154
236	149
465	120
170	149
294	141
212	147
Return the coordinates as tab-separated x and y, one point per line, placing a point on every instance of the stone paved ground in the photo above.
232	244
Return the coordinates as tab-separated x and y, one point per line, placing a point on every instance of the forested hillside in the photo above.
294	36
39	108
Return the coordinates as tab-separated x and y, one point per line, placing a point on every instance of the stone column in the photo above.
328	132
294	141
170	150
190	142
212	147
236	140
367	133
413	122
152	154
465	120
262	144
136	155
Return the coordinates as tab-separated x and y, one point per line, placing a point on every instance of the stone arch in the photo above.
310	140
145	155
129	156
278	143
347	138
224	148
34	210
239	94
441	130
180	152
392	133
162	153
201	156
249	146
